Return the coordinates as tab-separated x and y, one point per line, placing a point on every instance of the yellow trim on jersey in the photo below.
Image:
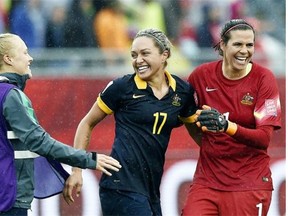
171	80
103	106
141	84
190	119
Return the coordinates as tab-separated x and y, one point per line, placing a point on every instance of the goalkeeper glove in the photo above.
213	120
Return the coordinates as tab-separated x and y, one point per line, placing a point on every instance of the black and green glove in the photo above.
213	120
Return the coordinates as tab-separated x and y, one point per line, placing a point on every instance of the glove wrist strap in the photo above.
232	128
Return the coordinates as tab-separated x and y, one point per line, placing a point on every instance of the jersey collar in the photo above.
141	84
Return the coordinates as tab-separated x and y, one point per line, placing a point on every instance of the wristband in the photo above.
94	156
231	129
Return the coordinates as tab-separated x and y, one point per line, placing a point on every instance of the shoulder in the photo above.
208	66
16	102
183	86
7	87
262	72
205	69
7	95
16	95
178	79
4	86
118	85
180	82
124	79
261	69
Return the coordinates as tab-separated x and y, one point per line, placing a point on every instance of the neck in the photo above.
235	75
159	86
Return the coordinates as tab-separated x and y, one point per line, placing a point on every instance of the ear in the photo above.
165	55
221	45
7	59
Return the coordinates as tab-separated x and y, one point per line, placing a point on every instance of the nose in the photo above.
244	49
30	58
139	59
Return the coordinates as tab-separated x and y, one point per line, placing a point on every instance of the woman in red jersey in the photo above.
241	108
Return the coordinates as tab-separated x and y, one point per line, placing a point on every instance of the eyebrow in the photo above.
145	49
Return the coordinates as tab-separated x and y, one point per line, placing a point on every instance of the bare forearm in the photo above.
195	132
82	136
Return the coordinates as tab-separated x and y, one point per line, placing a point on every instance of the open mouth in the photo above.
142	69
241	60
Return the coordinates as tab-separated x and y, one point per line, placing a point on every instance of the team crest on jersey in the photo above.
247	99
176	100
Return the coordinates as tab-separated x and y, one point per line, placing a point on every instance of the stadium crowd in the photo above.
190	24
110	25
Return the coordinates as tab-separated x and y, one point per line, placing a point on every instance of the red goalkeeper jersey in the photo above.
225	163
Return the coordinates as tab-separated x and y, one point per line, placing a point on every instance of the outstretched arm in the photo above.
83	135
212	121
81	141
195	132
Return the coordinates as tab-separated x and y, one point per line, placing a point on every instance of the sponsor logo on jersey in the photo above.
138	96
271	107
247	99
210	89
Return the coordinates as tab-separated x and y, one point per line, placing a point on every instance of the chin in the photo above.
29	74
143	76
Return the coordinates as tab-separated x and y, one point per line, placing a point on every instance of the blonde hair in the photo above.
6	44
160	39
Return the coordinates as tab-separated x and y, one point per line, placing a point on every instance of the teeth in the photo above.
241	58
142	68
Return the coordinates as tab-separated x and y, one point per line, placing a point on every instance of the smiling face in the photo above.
17	58
238	51
146	58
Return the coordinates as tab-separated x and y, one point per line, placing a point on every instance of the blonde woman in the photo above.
22	139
